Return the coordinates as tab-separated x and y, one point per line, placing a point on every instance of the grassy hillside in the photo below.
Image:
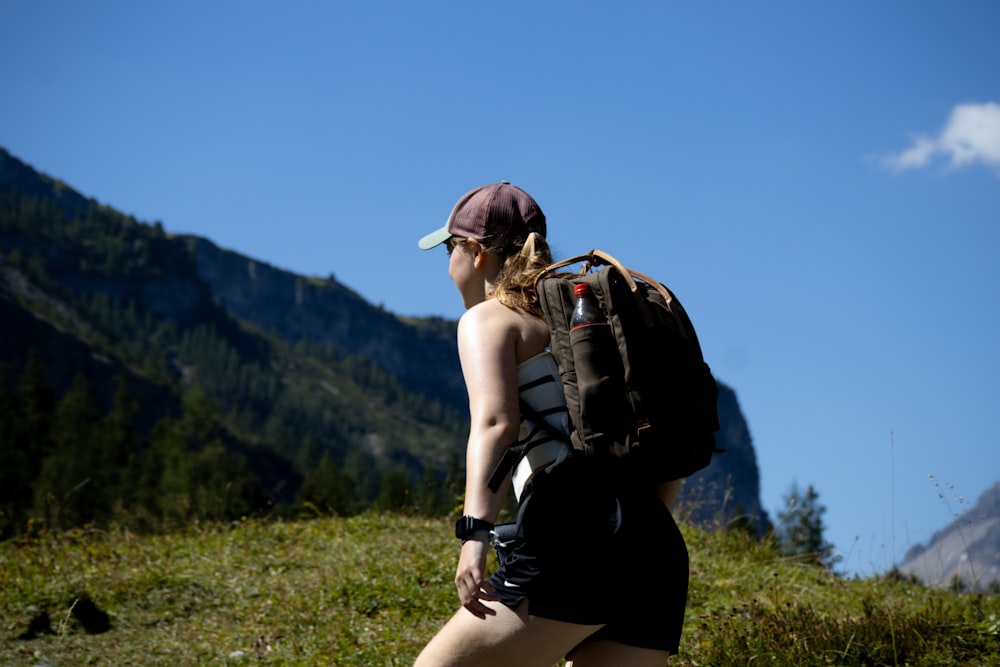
372	589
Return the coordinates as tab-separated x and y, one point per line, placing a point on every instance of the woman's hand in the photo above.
470	576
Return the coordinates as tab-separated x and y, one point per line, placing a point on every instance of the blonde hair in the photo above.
515	285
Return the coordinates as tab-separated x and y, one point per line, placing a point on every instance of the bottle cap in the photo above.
581	289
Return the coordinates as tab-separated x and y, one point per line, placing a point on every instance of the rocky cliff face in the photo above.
728	489
298	308
968	549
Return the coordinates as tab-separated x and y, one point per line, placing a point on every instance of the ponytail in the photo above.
515	287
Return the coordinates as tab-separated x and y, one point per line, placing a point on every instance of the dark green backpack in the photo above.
639	392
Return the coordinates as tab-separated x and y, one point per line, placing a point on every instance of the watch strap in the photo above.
467	526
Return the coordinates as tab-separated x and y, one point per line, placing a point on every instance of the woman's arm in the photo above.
486	347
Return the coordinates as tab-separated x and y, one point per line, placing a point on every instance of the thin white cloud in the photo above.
972	134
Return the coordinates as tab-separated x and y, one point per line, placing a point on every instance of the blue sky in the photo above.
818	181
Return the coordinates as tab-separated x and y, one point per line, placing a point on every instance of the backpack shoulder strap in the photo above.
597	258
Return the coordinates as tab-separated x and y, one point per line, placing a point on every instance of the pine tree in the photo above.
363	470
118	448
328	488
15	472
147	493
188	474
395	493
454	483
67	491
222	485
432	496
800	528
37	405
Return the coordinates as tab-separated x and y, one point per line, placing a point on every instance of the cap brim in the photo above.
435	238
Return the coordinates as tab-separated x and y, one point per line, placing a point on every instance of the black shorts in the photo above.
583	552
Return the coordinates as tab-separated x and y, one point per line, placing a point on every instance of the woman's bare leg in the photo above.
505	638
605	653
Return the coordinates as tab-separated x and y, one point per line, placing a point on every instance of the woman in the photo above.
594	571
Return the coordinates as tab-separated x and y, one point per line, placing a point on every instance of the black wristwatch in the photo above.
468	526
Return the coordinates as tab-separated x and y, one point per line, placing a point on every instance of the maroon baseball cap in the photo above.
498	215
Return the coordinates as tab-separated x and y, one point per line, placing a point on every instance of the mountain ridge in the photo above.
964	553
183	293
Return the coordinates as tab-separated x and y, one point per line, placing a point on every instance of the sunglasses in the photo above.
453	243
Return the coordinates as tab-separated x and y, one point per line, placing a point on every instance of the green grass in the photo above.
371	590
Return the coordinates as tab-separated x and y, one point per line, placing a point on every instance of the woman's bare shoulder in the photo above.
493	322
491	314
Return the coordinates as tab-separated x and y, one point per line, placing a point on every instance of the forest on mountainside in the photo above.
195	414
